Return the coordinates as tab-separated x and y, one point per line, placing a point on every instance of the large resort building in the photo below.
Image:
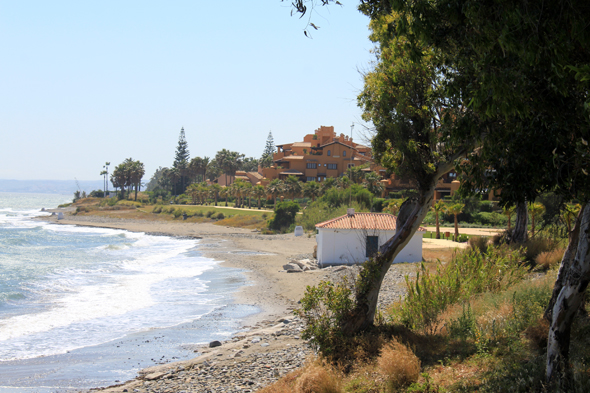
321	155
324	154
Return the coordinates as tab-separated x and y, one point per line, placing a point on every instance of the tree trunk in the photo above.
410	216
568	301
437	225
520	226
456	229
566	261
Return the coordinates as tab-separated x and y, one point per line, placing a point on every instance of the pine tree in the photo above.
181	161
182	155
269	149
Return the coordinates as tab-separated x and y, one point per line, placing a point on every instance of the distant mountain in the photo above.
49	186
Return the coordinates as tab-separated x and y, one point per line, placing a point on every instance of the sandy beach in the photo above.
271	345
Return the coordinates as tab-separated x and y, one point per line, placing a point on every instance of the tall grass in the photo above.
399	366
467	274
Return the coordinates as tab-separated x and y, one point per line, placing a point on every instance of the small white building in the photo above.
352	238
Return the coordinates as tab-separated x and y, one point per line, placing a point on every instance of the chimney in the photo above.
350	212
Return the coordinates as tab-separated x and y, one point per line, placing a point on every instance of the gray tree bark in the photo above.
520	234
566	262
410	217
568	301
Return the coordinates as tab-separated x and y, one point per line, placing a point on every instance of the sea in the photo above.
85	307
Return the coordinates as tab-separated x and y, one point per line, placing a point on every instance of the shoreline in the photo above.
272	332
262	257
268	344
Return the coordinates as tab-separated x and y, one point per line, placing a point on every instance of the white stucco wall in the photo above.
347	246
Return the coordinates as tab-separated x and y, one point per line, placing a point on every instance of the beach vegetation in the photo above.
284	216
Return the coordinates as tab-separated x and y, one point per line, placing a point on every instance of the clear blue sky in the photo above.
87	82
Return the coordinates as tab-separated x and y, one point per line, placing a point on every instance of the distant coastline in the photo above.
64	187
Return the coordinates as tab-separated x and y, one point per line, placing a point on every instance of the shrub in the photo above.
398	364
199	213
468	273
319	378
548	259
210	213
157	209
324	309
220	216
378	204
537	245
177	213
479	243
463	238
284	216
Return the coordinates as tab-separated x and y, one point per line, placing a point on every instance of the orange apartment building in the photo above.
321	155
324	154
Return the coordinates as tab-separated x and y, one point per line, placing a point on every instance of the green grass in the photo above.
192	209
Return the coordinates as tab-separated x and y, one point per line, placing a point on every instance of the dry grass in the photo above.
432	254
537	334
398	364
284	385
549	259
244	221
318	377
315	377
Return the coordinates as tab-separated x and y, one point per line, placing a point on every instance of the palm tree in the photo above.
455	210
104	175
194	168
106	169
137	171
258	192
311	189
224	193
509	211
355	174
174	174
205	162
570	212
438	207
203	192
193	191
215	189
343	182
535	209
293	186
373	183
274	188
238	191
327	184
247	192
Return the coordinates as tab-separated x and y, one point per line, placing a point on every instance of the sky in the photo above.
86	82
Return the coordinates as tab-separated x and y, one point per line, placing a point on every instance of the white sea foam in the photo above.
117	283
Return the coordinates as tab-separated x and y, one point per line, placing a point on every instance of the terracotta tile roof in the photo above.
256	175
381	221
293	158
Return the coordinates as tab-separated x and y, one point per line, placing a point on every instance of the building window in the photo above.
329	153
312	165
344	153
372	246
350	165
332	166
310	178
319	178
